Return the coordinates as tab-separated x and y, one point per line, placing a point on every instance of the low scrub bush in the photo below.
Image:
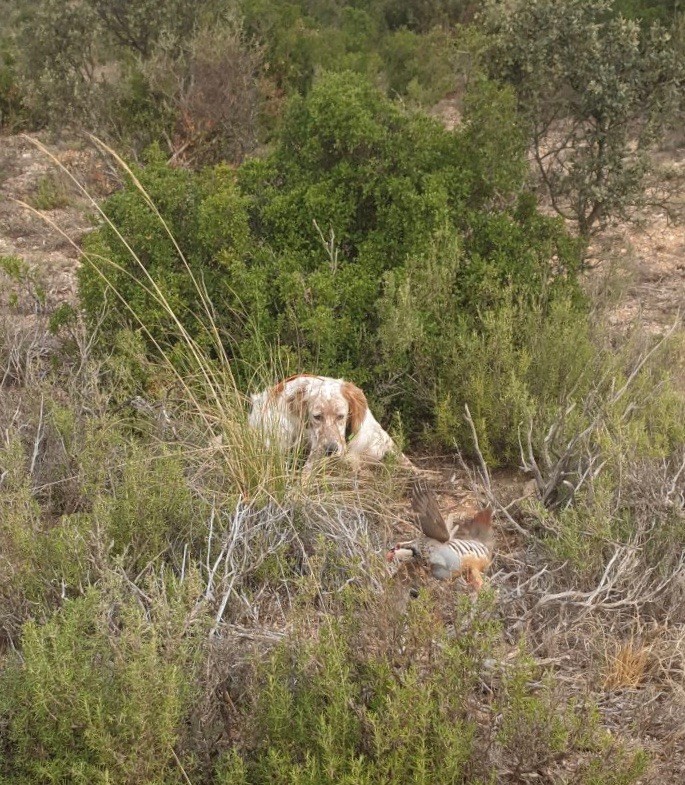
609	473
212	91
106	587
58	58
508	364
80	493
301	39
381	697
93	480
101	690
12	111
24	286
51	194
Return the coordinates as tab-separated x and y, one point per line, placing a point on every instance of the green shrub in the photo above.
149	509
464	331
646	11
152	71
98	491
596	171
406	47
423	15
42	562
57	43
100	692
418	66
391	698
51	193
611	452
19	521
27	287
138	27
130	110
360	203
208	218
12	110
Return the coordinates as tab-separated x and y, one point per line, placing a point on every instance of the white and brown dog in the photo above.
331	415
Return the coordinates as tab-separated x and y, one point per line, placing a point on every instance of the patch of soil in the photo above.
647	262
49	251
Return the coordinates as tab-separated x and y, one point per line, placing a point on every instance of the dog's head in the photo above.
331	413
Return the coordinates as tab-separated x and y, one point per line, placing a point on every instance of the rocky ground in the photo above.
643	262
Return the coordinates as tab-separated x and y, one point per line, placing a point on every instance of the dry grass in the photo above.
626	665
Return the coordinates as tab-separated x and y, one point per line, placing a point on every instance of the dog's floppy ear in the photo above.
296	402
356	400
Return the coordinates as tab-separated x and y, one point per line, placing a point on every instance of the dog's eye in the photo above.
340	417
317	417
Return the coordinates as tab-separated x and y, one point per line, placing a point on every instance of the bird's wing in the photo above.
425	506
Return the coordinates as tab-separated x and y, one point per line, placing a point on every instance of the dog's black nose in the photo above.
331	449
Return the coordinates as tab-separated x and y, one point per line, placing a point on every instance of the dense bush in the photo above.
647	11
205	214
101	690
371	242
212	91
139	73
425	15
12	111
405	47
57	46
138	26
177	72
98	64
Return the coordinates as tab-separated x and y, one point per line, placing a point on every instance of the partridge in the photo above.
449	549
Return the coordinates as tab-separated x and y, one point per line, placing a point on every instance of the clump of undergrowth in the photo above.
128	539
140	487
379	696
604	525
610	465
24	288
51	193
102	687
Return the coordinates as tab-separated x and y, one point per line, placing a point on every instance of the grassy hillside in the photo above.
272	190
